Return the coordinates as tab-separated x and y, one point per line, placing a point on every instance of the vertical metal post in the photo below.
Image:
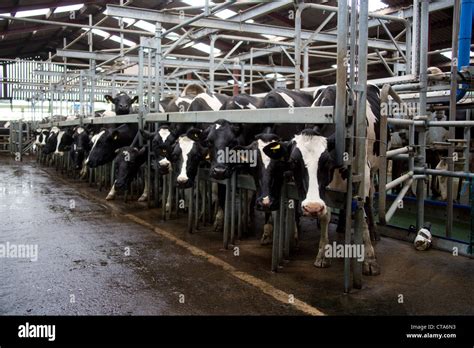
159	69
212	63
415	53
361	134
242	78
299	10
306	67
341	80
350	129
140	84
232	206
420	184
81	97
452	114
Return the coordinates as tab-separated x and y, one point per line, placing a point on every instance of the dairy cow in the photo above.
81	146
40	138
127	165
122	102
311	156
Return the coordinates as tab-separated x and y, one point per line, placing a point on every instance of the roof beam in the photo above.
28	7
154	16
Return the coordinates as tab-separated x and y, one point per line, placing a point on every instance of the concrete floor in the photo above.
82	257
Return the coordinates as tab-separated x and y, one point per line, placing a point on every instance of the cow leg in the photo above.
111	194
369	210
219	220
370	265
321	260
84	171
267	236
144	196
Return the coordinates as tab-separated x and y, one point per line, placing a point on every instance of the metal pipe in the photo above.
395	204
398	181
398	151
452	113
447	173
420	189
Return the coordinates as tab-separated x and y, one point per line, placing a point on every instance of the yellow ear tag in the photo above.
115	137
208	157
276	147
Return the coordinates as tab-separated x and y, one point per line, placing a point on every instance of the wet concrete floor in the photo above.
93	260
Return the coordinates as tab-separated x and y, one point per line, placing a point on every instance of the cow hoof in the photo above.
110	197
143	198
219	221
322	262
370	267
267	236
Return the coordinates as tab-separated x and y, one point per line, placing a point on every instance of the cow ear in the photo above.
277	150
134	100
115	135
109	98
194	134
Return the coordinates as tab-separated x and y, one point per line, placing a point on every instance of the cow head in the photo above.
51	141
220	137
122	103
310	157
80	147
64	141
103	146
268	172
186	156
127	163
162	146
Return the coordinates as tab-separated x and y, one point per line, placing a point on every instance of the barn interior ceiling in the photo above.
39	40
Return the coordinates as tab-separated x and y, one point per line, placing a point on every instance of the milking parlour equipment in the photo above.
417	124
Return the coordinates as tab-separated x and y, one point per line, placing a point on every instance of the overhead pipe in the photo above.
464	40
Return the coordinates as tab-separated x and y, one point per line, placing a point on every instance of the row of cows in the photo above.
303	152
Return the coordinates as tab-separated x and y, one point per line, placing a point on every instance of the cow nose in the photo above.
182	179
313	208
265	202
218	172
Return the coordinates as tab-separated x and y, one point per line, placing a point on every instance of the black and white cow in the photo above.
122	102
243	101
311	157
81	146
208	102
284	98
41	135
127	165
58	141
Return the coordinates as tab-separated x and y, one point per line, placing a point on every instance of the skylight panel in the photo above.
375	5
98	32
69	8
31	13
224	14
145	26
126	42
206	48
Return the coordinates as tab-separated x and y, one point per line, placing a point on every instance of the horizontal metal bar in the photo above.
398	181
444	173
399	151
204	64
318	115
